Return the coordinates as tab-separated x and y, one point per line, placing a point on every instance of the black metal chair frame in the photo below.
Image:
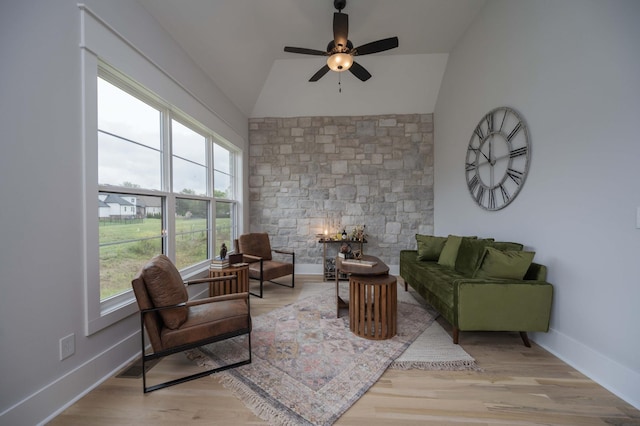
160	354
293	274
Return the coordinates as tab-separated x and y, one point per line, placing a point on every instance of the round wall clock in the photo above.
497	160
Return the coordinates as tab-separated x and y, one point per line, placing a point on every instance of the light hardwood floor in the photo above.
518	386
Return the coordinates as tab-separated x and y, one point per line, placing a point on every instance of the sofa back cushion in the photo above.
450	251
429	247
506	246
504	264
469	254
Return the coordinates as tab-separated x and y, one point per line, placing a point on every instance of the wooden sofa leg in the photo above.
456	335
406	286
525	339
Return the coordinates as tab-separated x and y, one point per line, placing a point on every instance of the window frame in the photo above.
100	314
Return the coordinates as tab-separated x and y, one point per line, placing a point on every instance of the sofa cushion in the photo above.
469	254
166	288
504	264
429	247
450	251
506	246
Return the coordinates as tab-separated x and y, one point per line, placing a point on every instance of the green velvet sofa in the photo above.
479	284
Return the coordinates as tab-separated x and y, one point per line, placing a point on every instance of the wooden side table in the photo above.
229	286
373	306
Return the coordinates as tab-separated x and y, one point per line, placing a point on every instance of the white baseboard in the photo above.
610	374
45	404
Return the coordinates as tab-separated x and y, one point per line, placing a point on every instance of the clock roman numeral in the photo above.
492	199
515	176
505	193
518	152
473	183
469	167
515	131
489	119
478	131
480	195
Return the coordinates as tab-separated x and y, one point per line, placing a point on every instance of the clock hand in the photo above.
484	155
492	164
501	157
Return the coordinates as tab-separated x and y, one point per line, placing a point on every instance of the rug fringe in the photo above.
256	403
461	365
253	401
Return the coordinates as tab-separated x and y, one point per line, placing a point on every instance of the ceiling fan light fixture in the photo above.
340	62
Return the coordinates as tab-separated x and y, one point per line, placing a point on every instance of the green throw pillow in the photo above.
506	246
469	254
429	247
450	251
504	264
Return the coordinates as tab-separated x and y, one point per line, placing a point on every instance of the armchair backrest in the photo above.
255	244
157	284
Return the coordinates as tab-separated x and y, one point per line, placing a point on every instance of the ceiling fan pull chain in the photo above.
339	82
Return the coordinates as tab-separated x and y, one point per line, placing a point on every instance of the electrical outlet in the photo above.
67	346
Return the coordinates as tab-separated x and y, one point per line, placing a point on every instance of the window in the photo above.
129	156
156	179
224	178
130	233
152	159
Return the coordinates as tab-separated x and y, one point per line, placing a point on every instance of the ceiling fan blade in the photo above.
304	51
340	29
322	71
377	46
359	71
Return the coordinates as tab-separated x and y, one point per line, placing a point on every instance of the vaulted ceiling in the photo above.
237	42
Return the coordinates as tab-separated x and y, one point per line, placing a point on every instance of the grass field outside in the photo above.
126	246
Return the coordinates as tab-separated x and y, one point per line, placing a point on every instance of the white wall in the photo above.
572	69
41	161
400	84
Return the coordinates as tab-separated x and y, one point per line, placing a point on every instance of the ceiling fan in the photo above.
340	50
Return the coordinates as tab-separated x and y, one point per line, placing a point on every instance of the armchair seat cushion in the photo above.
204	323
271	269
263	266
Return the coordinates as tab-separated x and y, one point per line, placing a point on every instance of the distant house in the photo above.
151	206
116	206
121	206
104	211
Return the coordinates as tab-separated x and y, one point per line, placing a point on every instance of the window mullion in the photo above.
211	193
167	183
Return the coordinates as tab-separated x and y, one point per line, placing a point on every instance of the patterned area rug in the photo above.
432	350
307	367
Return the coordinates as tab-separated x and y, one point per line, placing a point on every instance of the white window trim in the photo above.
99	41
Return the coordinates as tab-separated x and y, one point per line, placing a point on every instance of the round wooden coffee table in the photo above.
375	266
373	306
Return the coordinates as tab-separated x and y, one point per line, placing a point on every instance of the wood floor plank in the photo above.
517	386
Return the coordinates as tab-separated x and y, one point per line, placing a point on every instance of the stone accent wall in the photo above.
366	170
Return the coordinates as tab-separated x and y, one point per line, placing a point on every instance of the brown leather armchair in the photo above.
175	324
256	250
